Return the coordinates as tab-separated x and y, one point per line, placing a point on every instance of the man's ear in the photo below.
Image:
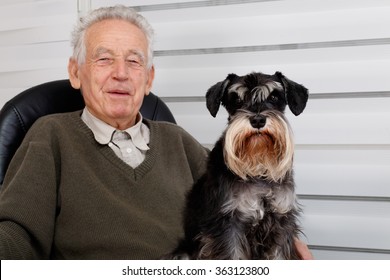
150	80
73	72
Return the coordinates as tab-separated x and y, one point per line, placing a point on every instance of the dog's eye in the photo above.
273	98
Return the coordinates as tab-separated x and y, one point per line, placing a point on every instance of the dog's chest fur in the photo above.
251	208
251	200
245	200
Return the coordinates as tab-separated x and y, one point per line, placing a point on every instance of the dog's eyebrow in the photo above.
261	93
240	89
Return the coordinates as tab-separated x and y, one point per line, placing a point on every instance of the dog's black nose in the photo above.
258	121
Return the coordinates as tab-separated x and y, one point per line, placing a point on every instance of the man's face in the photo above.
114	78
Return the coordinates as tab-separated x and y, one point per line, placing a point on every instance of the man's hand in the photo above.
303	250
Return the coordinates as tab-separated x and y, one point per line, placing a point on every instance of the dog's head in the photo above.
258	140
257	92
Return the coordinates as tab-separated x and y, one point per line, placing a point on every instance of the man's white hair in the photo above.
115	12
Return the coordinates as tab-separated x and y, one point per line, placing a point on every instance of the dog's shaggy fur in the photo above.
245	206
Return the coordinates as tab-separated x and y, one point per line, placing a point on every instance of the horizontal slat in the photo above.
342	129
317	77
351	209
13	2
36	13
238	8
100	3
269	6
327	122
324	52
34	57
347	231
16	24
8	93
34	8
207	32
339	254
16	82
34	35
358	171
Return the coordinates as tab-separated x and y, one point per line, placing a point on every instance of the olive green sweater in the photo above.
67	197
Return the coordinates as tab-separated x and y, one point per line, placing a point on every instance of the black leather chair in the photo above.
19	113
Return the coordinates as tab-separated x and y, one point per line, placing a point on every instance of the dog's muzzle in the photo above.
259	145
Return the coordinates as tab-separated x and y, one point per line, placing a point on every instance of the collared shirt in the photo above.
130	145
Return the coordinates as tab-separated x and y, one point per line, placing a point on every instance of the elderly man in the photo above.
102	183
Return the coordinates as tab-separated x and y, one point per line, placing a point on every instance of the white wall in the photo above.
339	49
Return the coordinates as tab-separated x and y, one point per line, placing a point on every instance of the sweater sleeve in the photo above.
28	202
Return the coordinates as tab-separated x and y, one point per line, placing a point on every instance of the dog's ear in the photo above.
215	94
296	94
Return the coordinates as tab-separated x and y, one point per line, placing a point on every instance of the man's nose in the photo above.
121	70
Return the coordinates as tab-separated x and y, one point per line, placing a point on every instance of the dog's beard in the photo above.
265	152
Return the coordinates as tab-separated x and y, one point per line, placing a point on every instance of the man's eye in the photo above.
134	62
103	60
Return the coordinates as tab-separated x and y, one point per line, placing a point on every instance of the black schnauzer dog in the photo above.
245	206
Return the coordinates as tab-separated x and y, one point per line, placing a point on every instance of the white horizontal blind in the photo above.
34	43
339	49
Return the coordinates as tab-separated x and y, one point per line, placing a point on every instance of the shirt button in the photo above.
129	150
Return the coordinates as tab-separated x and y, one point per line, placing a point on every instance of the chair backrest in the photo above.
19	113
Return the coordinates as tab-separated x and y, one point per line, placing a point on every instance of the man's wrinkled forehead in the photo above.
116	37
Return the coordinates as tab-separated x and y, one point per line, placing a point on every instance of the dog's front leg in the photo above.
224	241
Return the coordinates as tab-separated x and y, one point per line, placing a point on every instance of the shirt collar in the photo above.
103	132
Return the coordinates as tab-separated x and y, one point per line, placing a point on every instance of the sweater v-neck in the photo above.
140	171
